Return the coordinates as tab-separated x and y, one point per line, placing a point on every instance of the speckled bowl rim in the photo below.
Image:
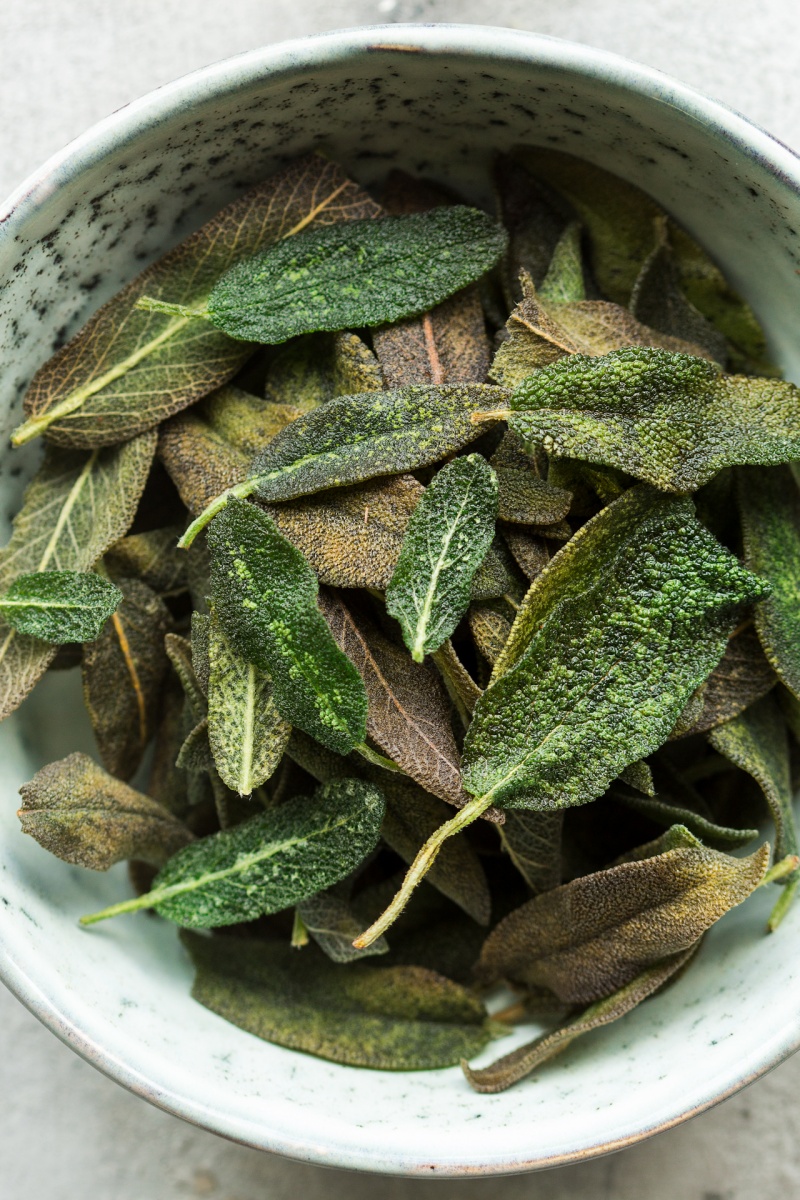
285	58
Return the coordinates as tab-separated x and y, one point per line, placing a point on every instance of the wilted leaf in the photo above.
267	863
152	557
387	1018
80	813
126	370
266	596
448	535
199	462
330	920
123	672
532	841
611	640
74	508
246	733
591	936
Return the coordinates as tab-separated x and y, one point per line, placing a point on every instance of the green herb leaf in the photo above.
592	936
490	625
265	594
628	619
199	461
513	1067
152	557
353	274
386	1018
564	282
59	606
527	500
532	840
244	421
268	863
669	419
742	677
662	810
246	733
448	535
74	508
126	369
80	813
333	925
535	218
123	672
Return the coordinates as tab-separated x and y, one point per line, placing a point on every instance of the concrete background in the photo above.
68	1132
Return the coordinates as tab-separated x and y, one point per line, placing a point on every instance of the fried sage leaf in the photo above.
333	925
126	370
589	937
386	1018
669	419
512	1067
80	813
769	500
123	671
59	606
267	863
345	276
407	715
448	535
611	640
265	594
74	508
246	733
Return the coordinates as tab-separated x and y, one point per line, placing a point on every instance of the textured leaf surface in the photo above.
387	1018
591	936
357	273
244	421
527	500
742	677
246	733
123	672
80	813
59	606
513	1067
198	460
610	642
74	508
663	810
669	419
532	841
266	597
448	535
770	507
152	557
126	370
332	923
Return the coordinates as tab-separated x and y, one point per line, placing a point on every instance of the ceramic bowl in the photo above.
437	100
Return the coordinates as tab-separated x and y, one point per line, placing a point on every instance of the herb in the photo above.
59	606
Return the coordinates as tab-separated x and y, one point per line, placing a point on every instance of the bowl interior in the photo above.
439	101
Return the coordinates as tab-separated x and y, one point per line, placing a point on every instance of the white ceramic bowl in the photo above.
438	100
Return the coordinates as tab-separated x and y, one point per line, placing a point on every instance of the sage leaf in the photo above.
123	671
527	500
355	438
246	733
532	840
669	419
300	376
530	551
564	282
179	652
79	812
628	619
490	625
497	575
387	1018
351	536
265	594
769	501
74	508
128	369
448	535
513	1067
244	421
592	936
461	687
345	276
198	460
742	677
333	925
663	810
267	863
639	776
535	218
152	557
59	606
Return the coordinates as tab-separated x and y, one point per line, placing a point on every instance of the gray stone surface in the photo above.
66	1130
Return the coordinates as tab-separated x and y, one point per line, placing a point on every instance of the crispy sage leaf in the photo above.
669	419
354	438
246	733
123	672
770	505
126	370
591	936
266	597
74	508
512	1067
333	925
267	863
386	1018
59	606
613	637
80	813
448	535
345	276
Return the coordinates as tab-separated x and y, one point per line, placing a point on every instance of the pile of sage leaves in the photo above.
434	578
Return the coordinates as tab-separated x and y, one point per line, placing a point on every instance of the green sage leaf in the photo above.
59	606
332	923
532	840
152	557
